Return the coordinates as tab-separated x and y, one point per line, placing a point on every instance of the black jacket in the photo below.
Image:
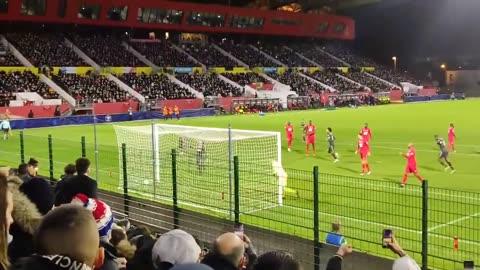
335	263
110	255
55	262
218	262
68	188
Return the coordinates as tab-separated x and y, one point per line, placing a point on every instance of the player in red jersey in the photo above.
411	164
364	150
366	133
289	132
310	130
451	138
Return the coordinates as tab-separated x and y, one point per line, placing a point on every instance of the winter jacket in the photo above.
218	262
110	255
68	188
26	219
53	262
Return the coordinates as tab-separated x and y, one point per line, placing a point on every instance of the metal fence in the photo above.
437	227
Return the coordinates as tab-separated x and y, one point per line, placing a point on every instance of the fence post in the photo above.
126	198
22	147
425	225
84	147
316	219
236	190
176	209
50	156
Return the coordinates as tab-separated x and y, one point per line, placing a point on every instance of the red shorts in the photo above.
451	140
363	155
311	139
289	138
411	169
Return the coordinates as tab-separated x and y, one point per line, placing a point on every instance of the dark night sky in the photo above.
419	28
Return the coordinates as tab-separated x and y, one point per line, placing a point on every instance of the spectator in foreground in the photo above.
78	184
67	238
227	253
191	266
277	260
32	200
6	207
403	262
335	262
335	237
69	171
175	247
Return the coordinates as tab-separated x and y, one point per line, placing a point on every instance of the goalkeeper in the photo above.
201	155
282	175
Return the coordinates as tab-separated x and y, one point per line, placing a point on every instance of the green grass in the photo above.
365	205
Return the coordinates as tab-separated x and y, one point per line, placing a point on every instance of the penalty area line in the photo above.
453	222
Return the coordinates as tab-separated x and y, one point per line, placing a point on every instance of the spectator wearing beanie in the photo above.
104	218
32	200
175	247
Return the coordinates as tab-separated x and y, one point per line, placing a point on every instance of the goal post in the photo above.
205	164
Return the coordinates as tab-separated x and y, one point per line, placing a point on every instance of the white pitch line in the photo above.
453	222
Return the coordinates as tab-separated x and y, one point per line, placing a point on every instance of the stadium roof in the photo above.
305	4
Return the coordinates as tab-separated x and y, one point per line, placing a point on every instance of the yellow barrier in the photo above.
368	68
344	69
313	69
281	70
239	70
21	69
197	70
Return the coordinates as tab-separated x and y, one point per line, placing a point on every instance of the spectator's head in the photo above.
70	169
120	242
69	230
451	125
32	166
82	165
329	129
6	207
231	248
277	260
175	247
337	227
40	193
101	213
23	169
4	170
191	266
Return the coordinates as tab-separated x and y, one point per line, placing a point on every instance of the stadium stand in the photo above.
156	86
163	54
246	54
342	51
375	85
331	79
208	55
245	78
7	59
106	50
317	56
45	49
299	84
394	77
90	88
25	81
284	55
209	85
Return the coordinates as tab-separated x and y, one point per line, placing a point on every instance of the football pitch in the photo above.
364	205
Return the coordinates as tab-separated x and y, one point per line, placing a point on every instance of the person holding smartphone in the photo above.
404	262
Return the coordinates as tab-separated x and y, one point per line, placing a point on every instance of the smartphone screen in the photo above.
238	230
468	265
387	238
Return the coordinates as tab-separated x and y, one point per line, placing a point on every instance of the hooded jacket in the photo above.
26	219
52	262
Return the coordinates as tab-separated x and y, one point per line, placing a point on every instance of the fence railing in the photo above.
437	227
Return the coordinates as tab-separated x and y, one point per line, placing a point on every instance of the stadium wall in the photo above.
101	118
184	104
38	111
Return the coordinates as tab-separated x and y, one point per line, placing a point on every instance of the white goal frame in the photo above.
156	149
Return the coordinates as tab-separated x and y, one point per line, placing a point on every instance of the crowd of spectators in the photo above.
106	50
26	81
91	88
374	84
65	225
317	56
284	55
345	53
301	85
395	77
210	85
208	55
245	78
330	78
246	54
163	54
7	58
156	86
45	49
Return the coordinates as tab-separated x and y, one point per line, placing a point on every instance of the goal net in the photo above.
204	165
